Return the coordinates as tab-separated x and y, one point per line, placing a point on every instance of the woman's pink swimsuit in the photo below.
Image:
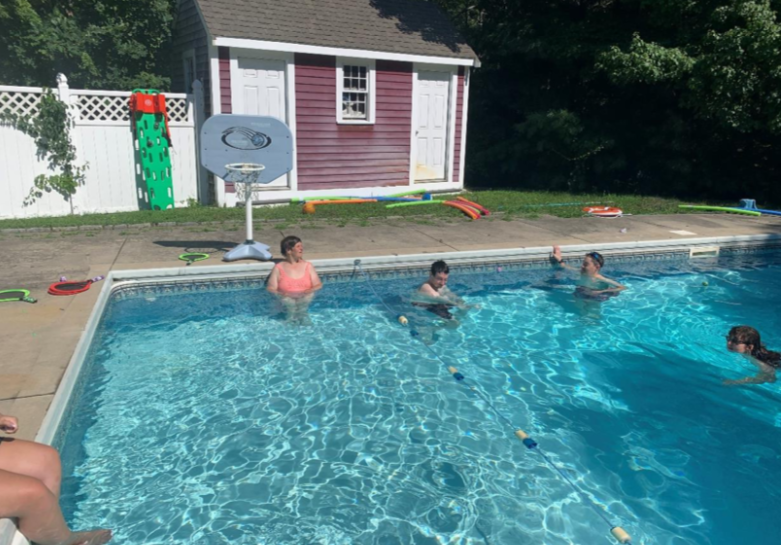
294	285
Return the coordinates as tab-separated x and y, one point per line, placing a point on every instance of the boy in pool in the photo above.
435	296
745	340
591	285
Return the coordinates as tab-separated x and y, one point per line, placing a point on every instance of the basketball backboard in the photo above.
264	140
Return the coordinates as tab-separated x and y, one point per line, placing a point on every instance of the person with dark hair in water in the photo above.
745	340
592	285
435	296
30	475
294	280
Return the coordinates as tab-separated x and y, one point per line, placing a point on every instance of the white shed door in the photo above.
259	89
431	130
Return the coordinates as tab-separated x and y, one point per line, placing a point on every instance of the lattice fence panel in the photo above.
20	103
103	108
177	109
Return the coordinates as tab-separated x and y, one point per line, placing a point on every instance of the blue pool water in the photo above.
206	418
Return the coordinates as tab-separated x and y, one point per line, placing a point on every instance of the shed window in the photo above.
355	94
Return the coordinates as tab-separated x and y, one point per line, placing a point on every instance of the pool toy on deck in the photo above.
242	147
63	287
603	211
192	257
309	207
751	204
16	295
721	209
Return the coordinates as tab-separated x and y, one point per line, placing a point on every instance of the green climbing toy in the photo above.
153	140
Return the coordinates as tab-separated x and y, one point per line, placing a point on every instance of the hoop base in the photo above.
248	250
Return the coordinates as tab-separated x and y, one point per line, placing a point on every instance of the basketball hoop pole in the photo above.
248	213
249	249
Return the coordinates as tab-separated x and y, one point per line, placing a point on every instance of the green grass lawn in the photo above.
506	204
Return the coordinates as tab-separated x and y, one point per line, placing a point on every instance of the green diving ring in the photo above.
192	257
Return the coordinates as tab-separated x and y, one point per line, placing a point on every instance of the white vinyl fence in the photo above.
104	140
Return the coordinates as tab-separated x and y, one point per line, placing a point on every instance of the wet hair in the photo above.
597	257
288	243
439	267
748	335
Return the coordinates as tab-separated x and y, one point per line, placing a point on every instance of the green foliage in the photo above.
51	130
109	44
676	97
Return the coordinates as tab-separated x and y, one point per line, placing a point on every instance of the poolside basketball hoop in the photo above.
244	175
248	150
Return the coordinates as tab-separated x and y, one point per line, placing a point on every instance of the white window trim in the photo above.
370	65
188	59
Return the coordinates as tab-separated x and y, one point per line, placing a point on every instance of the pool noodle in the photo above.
405	193
413	203
466	209
721	209
762	211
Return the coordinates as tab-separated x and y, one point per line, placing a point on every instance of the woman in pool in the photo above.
294	280
592	285
30	475
745	340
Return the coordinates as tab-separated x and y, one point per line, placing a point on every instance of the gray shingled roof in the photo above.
416	27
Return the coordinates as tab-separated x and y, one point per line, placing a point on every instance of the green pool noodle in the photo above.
721	209
412	203
406	193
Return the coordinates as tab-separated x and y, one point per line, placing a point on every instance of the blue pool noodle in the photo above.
394	199
751	204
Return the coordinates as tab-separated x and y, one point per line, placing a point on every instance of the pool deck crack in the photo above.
32	396
432	237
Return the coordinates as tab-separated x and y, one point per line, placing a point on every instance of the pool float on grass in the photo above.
604	211
484	211
465	208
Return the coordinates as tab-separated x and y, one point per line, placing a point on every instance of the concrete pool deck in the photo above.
39	340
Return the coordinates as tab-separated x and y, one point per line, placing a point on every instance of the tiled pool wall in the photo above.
147	288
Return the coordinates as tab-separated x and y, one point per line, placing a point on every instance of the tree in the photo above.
656	96
104	44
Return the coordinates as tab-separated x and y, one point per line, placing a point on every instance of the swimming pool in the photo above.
203	417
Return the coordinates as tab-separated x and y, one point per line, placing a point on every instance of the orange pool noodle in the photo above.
484	211
468	210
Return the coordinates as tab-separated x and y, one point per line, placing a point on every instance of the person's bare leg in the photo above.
39	514
35	460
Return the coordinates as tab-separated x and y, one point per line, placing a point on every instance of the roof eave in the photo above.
289	47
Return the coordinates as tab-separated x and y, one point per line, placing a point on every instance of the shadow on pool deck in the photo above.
38	340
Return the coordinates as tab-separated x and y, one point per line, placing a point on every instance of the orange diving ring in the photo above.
603	211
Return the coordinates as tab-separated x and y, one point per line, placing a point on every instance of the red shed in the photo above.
375	92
